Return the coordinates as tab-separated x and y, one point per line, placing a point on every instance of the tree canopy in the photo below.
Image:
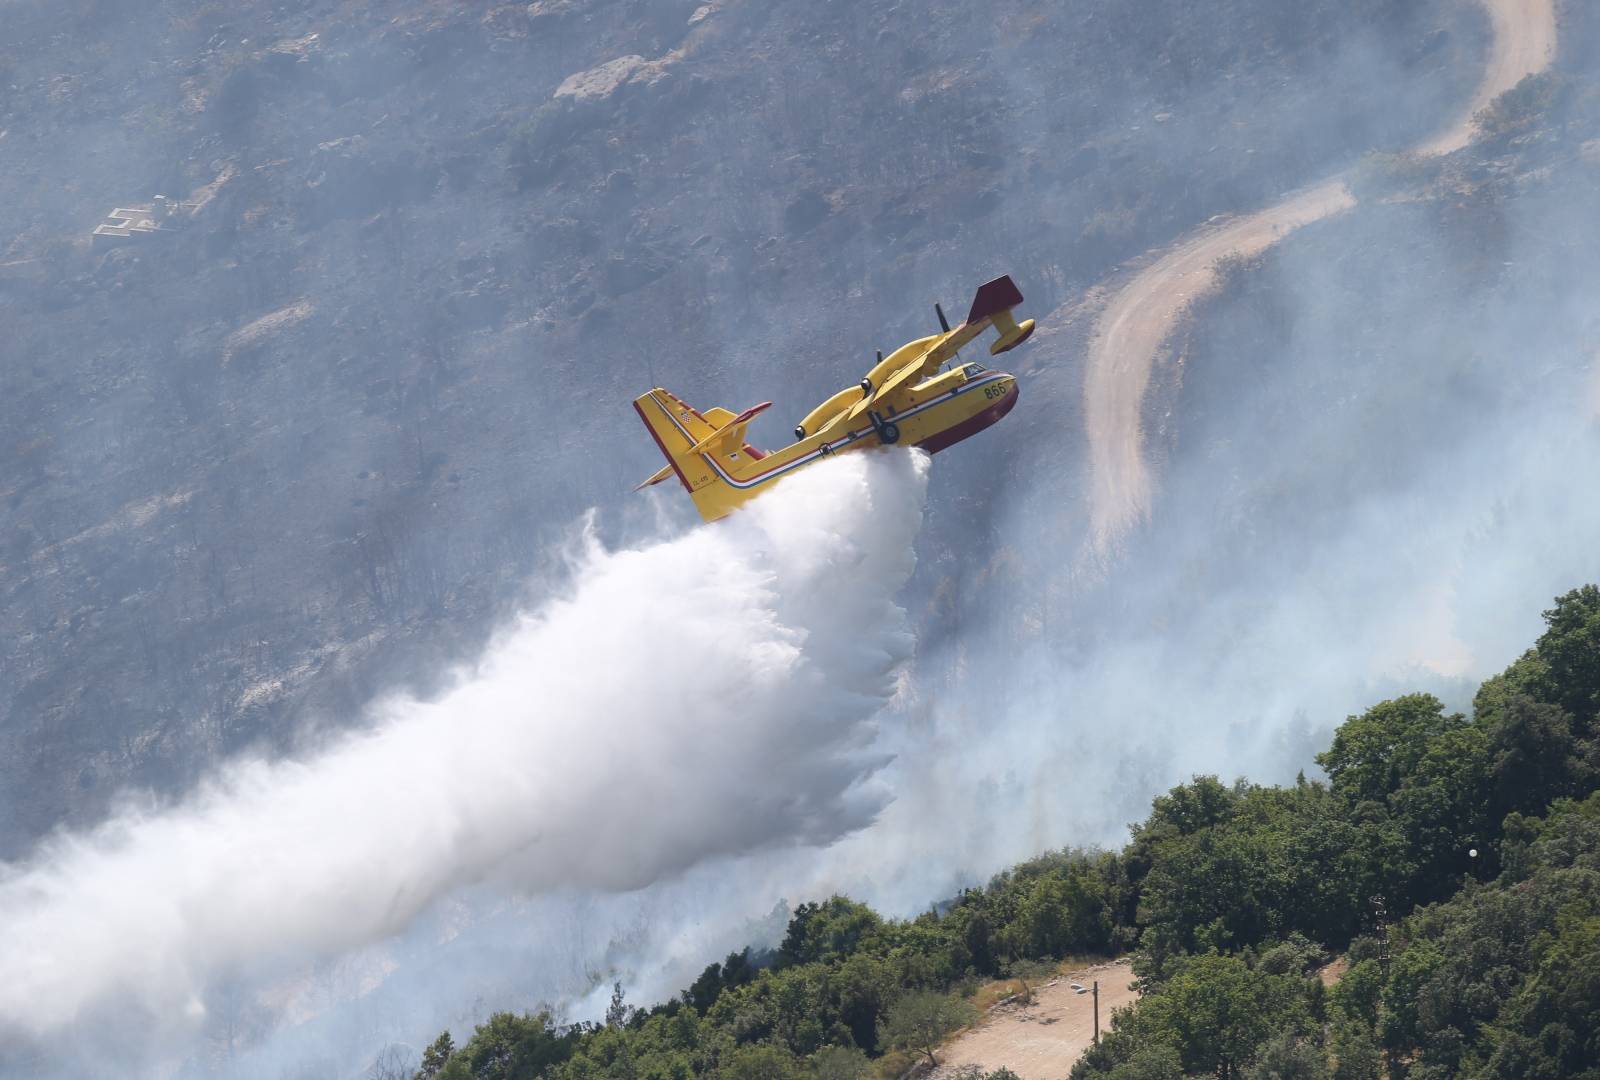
1232	897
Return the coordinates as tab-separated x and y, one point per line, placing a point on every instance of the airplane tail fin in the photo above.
994	302
703	449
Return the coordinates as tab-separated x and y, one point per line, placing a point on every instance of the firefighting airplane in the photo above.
905	397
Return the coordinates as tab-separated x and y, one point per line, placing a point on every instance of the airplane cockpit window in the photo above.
972	371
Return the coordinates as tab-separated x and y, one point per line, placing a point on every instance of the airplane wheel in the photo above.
889	433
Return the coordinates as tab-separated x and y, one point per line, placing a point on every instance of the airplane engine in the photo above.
819	417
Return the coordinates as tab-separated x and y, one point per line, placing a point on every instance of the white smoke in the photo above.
709	695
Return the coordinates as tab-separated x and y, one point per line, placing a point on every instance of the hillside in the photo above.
1480	836
1415	377
1362	453
1144	313
315	443
347	694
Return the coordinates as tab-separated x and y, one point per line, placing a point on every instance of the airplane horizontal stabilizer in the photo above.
731	434
660	475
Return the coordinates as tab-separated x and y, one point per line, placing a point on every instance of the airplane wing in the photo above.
910	373
991	308
921	365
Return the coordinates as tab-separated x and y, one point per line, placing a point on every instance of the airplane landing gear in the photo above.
888	431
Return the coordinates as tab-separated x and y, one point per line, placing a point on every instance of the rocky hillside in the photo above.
1421	376
313	436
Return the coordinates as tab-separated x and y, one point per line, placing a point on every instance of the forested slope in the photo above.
1480	834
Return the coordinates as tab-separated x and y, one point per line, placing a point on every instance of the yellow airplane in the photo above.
905	397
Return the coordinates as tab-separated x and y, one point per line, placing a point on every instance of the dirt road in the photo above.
1136	322
1130	332
1042	1040
1524	43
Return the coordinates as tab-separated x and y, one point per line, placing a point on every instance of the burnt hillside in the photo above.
310	440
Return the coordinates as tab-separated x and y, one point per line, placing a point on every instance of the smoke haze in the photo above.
1374	457
699	697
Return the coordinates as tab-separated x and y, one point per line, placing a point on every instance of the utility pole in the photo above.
1097	1012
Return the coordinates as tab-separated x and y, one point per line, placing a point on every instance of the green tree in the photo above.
798	1007
1551	1026
1506	971
1062	913
1126	1054
511	1047
1570	651
839	1063
763	1062
1410	773
863	987
1188	808
1358	995
828	931
1287	1056
1374	752
1285	860
702	993
1536	756
618	1012
921	1019
976	935
1441	809
736	970
1217	1012
435	1057
1355	1054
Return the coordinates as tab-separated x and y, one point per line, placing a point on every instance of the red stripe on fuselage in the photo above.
939	442
663	446
969	427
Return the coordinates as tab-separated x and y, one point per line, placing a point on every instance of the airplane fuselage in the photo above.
921	395
932	415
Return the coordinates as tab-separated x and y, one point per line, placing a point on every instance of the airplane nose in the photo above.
1006	400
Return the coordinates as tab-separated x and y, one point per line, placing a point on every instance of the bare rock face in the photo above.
601	81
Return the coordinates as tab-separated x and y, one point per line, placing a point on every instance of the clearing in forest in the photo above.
1041	1041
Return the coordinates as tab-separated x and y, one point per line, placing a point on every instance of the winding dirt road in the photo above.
1137	320
1524	34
